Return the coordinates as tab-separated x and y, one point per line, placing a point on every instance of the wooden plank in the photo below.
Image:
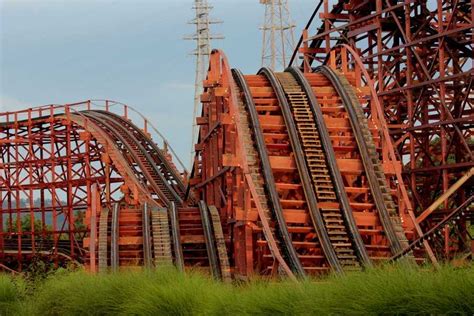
337	122
350	166
130	240
230	160
201	120
282	163
334	16
271	120
220	92
366	219
294	216
205	97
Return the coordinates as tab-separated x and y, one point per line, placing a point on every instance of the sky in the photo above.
65	51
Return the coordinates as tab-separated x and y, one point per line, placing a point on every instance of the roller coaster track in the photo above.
157	180
176	236
163	180
321	164
313	209
103	242
292	154
169	171
215	242
209	239
220	244
114	240
294	174
287	112
456	215
147	257
279	240
161	237
338	182
381	192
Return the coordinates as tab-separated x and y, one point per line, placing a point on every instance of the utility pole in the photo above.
278	38
203	38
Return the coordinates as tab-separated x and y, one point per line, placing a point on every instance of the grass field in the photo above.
388	290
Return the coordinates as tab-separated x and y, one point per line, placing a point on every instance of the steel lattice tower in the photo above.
203	37
278	39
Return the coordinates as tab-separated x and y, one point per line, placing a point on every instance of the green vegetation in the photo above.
388	290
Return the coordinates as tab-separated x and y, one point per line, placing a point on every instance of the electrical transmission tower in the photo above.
203	37
278	38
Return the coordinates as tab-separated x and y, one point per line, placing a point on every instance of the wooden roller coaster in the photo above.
297	173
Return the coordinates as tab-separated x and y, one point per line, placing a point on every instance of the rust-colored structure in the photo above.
418	56
358	154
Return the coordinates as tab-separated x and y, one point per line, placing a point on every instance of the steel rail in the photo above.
161	237
106	140
165	192
315	160
314	211
458	213
176	236
114	243
147	122
103	243
118	136
359	126
300	41
157	152
220	244
210	240
281	228
316	43
391	152
130	142
146	236
333	168
253	175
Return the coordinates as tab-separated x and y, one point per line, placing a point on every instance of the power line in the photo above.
278	38
203	37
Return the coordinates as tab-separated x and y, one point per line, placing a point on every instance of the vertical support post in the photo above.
93	232
146	236
53	181
69	190
442	92
114	256
30	178
17	184
306	65
176	235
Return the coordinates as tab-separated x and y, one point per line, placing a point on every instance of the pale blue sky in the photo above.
60	51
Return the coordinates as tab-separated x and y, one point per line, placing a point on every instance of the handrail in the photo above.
87	105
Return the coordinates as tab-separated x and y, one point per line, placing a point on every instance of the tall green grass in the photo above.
387	290
12	292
